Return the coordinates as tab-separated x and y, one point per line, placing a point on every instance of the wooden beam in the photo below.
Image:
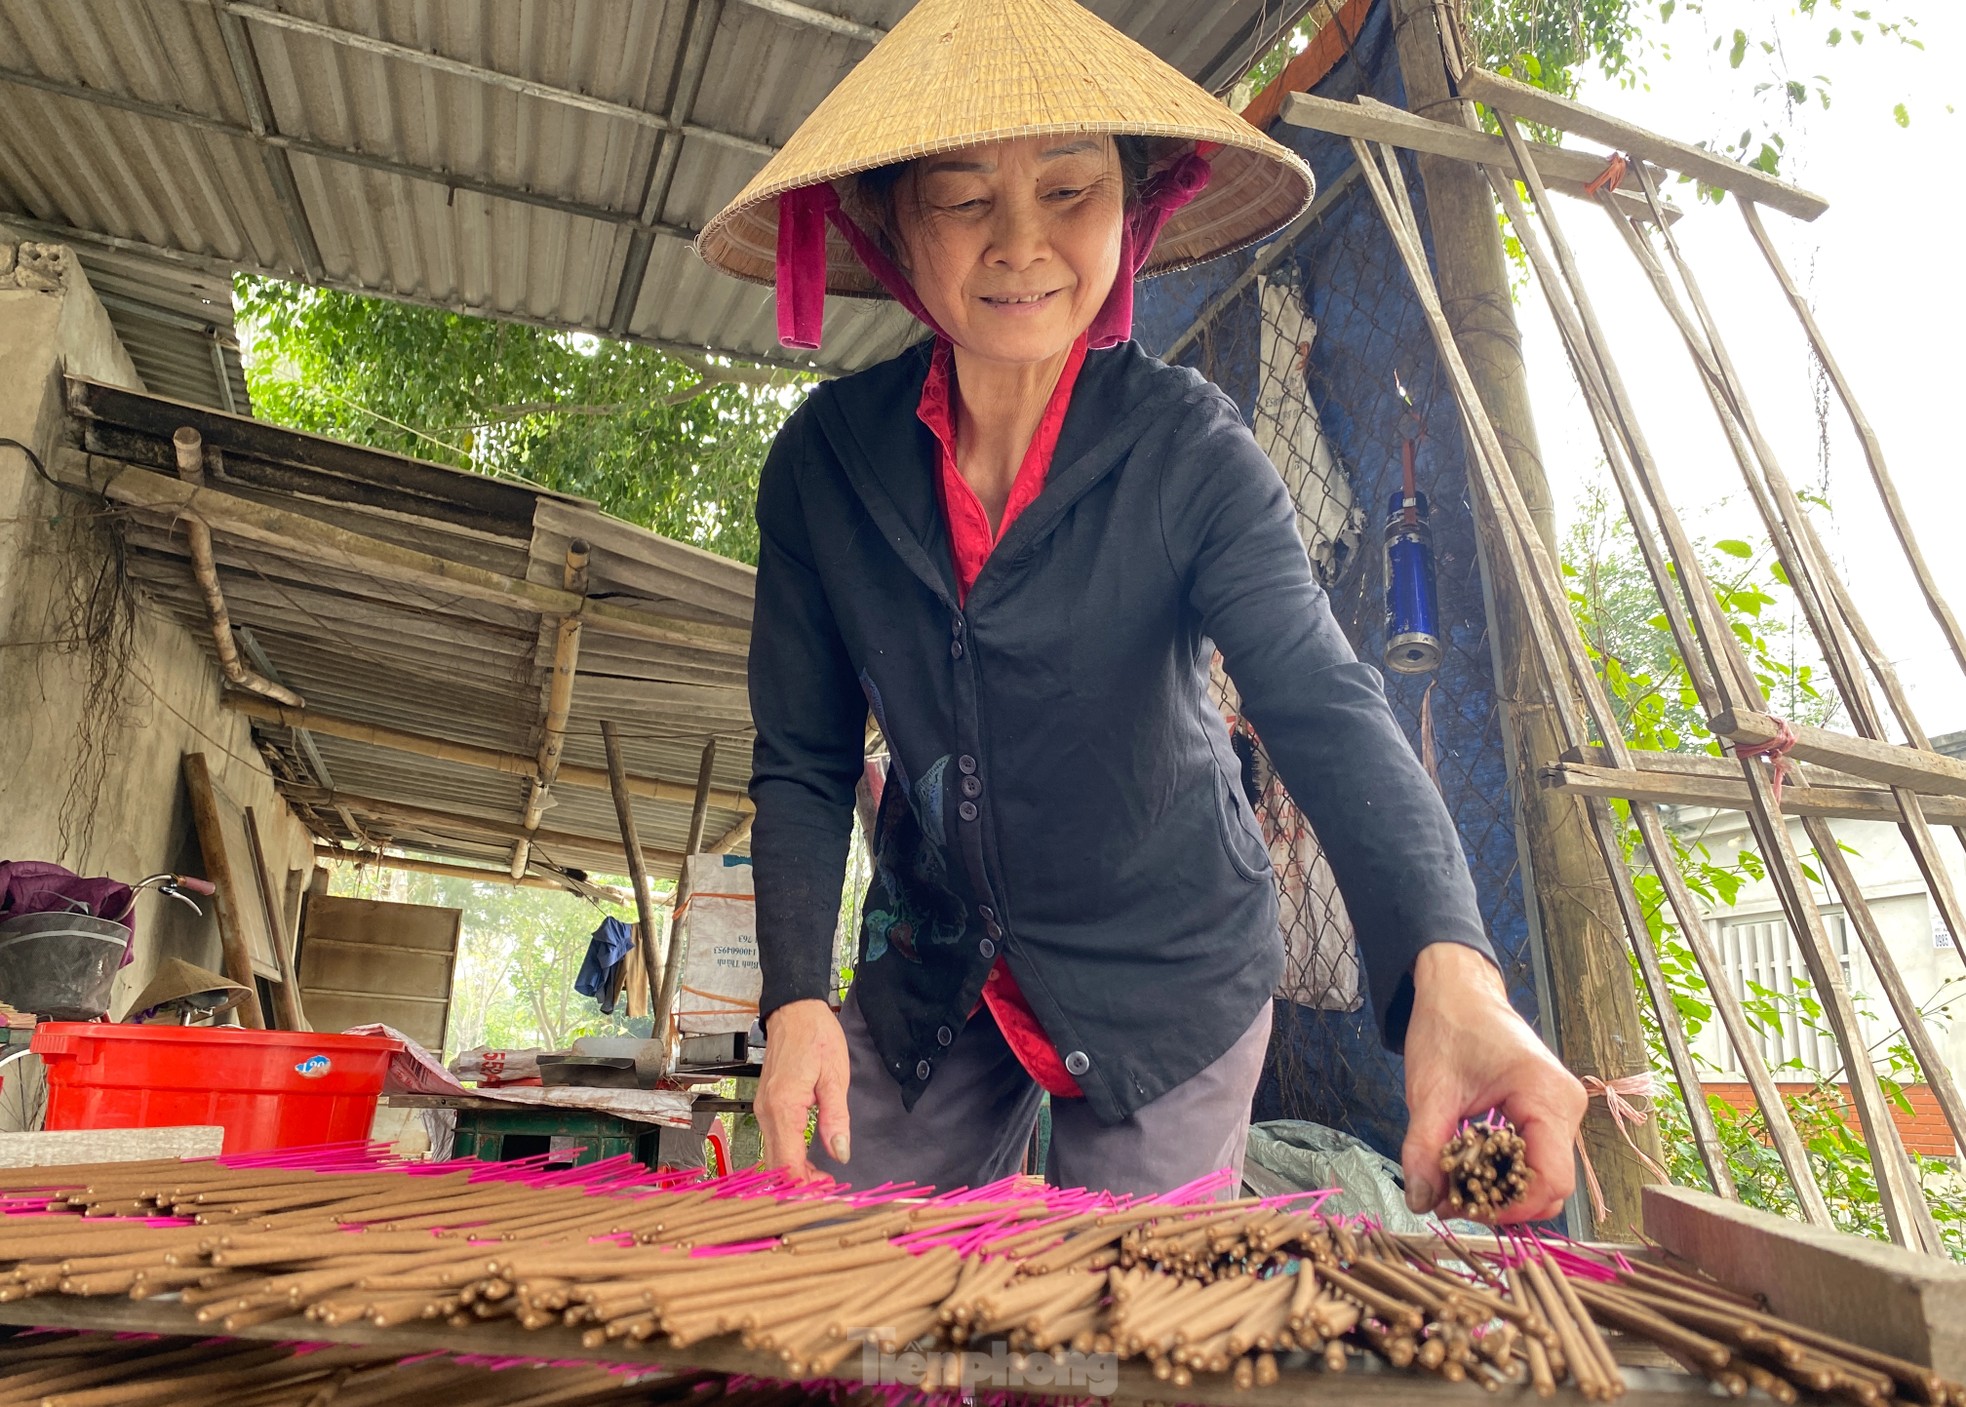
1884	1297
286	993
631	845
1705	764
470	754
429	820
1566	170
1730	793
559	700
229	902
734	837
1927	773
56	1148
1567	115
481	873
311	539
672	961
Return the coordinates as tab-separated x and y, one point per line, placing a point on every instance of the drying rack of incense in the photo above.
351	1262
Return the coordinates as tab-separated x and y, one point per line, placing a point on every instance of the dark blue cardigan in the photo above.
1062	789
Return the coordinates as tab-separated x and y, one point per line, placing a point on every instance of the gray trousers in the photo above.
974	1121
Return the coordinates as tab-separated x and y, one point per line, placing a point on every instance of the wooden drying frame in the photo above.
1725	685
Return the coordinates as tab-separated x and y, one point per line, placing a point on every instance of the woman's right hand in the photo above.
805	1065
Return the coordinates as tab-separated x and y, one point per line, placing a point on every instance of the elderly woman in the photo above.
1019	545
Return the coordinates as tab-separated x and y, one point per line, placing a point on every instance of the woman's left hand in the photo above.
1467	1051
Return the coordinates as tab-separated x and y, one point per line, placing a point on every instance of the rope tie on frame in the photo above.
1617	1096
1776	750
1610	178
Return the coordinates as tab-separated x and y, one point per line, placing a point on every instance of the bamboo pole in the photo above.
471	755
482	873
430	820
1832	615
1712	655
1556	648
737	835
1571	170
1643	781
1931	1061
1887	489
559	700
1904	1203
672	962
631	844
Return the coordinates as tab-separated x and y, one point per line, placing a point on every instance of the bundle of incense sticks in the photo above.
1487	1167
809	1277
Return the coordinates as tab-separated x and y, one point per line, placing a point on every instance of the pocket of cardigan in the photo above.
1240	838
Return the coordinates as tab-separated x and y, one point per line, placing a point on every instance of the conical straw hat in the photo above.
956	73
176	979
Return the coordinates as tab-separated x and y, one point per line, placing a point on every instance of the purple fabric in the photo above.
800	261
43	887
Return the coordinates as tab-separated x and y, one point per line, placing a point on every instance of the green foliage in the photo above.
518	954
1617	610
670	444
1631	644
1822	1115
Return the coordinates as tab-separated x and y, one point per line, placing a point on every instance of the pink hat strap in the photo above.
1166	192
803	215
800	264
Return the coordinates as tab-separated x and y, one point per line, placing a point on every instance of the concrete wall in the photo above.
155	700
1927	957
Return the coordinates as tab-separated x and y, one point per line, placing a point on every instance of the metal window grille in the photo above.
1763	964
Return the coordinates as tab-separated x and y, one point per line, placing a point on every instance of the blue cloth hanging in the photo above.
606	950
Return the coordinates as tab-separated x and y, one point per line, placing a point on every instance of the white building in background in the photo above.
1754	944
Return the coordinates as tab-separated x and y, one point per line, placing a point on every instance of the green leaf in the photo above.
1738	52
1733	546
1900	116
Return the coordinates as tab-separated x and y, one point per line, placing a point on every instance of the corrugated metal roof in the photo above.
545	162
368	643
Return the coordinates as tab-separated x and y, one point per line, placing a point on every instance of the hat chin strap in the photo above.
800	266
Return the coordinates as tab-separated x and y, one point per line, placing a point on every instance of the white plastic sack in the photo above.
721	982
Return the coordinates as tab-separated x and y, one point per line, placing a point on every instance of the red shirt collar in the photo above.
970	538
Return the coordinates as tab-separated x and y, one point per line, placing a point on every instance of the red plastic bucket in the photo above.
267	1089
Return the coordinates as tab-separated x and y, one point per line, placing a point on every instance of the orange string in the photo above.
1610	177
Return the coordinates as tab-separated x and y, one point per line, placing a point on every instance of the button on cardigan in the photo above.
1108	850
971	541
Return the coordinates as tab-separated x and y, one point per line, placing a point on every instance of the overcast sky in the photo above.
1883	267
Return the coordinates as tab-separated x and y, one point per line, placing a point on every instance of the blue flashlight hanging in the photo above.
1412	636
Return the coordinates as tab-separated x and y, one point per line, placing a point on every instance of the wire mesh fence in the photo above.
1319	339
